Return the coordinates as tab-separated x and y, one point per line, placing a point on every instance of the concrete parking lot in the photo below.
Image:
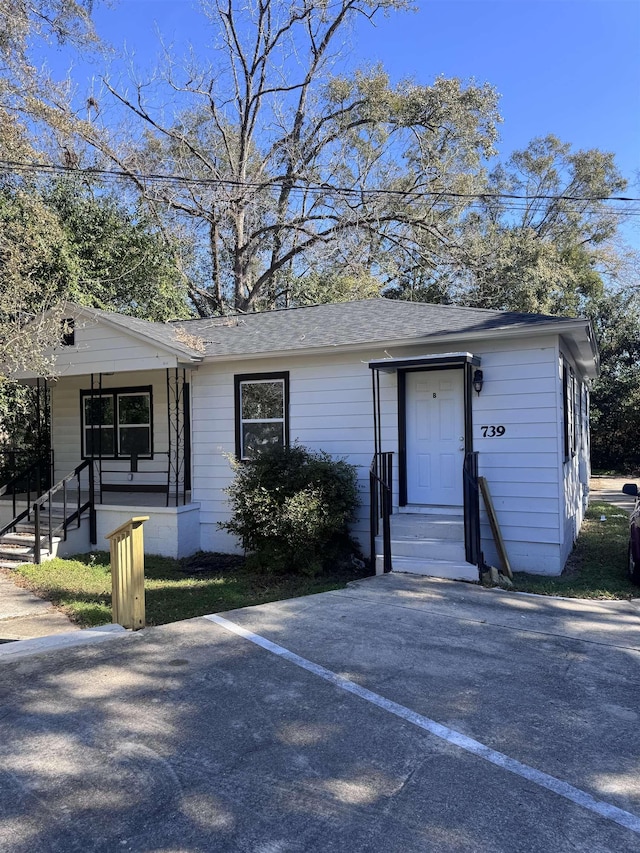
400	714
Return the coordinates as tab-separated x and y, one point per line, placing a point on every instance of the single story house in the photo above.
421	398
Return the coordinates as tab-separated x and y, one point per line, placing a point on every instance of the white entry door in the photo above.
435	437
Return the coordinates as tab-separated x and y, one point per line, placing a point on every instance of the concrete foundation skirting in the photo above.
170	531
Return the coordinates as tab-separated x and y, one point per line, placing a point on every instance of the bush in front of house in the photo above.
291	508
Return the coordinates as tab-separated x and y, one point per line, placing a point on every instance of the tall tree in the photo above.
123	262
540	238
284	156
615	398
36	263
35	267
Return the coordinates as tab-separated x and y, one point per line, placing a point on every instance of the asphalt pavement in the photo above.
400	714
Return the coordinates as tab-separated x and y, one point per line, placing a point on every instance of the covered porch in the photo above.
119	444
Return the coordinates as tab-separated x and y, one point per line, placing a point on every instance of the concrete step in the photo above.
26	537
21	551
10	564
30	529
453	570
417	526
431	549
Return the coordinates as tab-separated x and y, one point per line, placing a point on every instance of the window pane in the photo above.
98	410
134	440
261	400
104	446
256	437
133	409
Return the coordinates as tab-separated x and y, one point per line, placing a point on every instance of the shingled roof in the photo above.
345	324
348	324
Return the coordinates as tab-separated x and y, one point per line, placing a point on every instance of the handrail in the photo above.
472	540
42	505
134	464
76	515
133	522
381	502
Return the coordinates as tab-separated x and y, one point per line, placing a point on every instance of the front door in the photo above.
435	437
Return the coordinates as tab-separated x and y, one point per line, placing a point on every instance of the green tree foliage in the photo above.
26	86
36	264
291	508
123	262
543	253
538	239
615	398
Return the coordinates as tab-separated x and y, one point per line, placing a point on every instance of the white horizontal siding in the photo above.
330	410
102	349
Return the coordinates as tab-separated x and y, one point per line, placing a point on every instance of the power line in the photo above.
439	195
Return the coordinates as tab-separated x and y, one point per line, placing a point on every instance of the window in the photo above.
68	332
116	423
262	412
570	410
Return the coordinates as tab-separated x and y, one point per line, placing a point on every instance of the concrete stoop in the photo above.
430	545
18	547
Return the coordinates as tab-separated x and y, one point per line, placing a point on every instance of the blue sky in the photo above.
568	67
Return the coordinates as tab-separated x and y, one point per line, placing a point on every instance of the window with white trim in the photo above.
262	412
117	423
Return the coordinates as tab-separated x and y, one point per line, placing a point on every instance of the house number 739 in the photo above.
492	431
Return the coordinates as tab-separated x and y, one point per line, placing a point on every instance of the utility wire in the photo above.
439	195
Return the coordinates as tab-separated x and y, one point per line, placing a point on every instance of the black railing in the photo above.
27	480
472	544
14	462
43	508
42	511
162	477
381	499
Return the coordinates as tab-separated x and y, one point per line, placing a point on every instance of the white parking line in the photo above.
563	789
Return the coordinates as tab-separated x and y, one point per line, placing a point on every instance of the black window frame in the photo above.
115	393
68	329
570	415
241	378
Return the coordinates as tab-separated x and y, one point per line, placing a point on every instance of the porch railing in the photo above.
162	476
43	511
30	480
472	543
381	501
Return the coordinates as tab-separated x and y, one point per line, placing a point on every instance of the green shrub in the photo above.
291	507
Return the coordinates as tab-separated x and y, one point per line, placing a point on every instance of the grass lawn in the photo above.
597	568
206	583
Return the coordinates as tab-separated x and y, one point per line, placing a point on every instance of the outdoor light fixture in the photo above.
478	381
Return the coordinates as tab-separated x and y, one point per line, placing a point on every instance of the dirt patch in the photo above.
208	563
